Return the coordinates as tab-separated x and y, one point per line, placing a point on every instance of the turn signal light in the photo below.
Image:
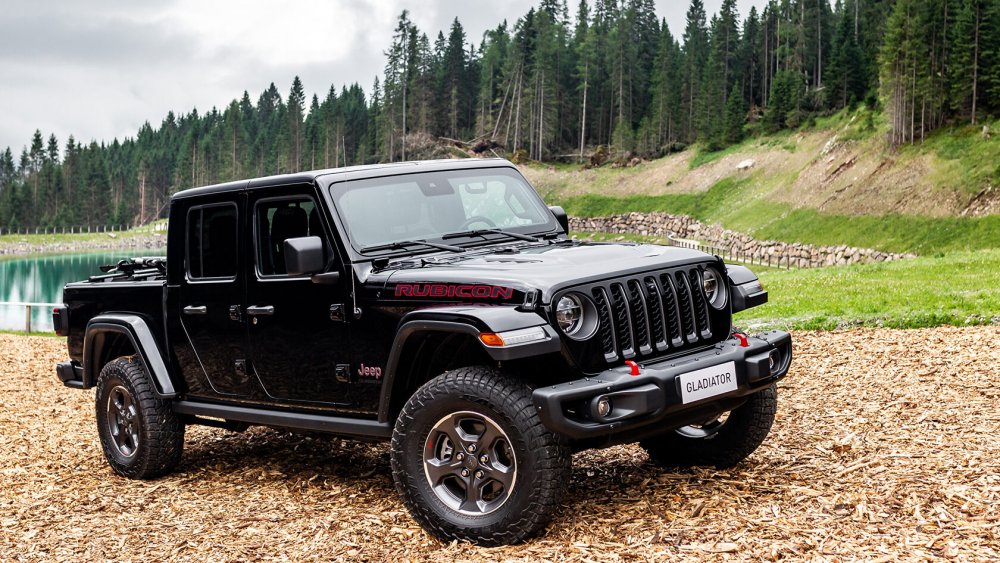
491	339
509	338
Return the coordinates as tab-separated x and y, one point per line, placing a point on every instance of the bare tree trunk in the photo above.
913	103
975	67
819	44
923	111
235	169
857	4
541	114
142	197
503	103
517	118
583	113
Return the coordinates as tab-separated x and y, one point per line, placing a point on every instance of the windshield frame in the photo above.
331	192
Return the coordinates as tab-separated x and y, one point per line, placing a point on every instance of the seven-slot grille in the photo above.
651	313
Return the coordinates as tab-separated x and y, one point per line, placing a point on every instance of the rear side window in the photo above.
279	220
212	242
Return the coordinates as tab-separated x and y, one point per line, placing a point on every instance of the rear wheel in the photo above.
722	441
141	436
472	460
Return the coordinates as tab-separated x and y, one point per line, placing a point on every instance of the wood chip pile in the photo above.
886	447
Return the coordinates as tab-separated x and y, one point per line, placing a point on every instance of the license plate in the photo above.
708	382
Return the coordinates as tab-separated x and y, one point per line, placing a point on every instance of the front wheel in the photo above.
472	460
723	441
141	436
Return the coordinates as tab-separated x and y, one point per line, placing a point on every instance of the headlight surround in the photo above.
576	316
715	287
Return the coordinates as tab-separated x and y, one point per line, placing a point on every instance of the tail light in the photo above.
60	320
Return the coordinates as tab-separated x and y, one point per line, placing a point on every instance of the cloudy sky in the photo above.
99	69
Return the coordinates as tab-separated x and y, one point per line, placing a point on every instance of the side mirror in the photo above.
561	217
304	256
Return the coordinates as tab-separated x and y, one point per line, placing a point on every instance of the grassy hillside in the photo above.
834	183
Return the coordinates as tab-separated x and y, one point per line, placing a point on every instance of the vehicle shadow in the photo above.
286	458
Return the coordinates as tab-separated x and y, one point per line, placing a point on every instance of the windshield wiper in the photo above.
481	232
400	245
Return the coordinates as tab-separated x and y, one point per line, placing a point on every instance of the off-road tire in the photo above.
160	432
543	461
742	432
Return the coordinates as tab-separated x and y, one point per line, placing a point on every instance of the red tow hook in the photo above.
634	366
744	343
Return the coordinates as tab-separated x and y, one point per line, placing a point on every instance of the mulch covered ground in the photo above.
887	447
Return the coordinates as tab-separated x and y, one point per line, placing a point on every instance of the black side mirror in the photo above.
561	217
304	256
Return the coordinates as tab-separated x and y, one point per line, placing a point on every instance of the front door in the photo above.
298	333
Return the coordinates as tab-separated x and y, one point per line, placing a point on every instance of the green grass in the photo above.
32	333
965	160
957	289
961	288
735	204
704	156
60	238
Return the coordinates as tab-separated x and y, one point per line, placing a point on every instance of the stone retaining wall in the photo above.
736	244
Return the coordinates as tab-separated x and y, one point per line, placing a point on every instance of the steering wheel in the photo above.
477	219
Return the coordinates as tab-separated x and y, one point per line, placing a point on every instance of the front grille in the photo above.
652	314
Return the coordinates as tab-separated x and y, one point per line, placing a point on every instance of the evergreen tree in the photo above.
735	117
695	59
296	117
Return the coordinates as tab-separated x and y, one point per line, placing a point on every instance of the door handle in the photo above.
193	310
260	311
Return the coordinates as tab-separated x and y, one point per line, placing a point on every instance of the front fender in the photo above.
473	321
745	288
135	329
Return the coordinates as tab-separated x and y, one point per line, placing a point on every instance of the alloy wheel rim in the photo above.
470	463
123	421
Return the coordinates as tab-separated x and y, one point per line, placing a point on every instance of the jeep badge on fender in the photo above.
439	306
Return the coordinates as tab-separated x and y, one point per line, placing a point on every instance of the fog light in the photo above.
603	407
773	360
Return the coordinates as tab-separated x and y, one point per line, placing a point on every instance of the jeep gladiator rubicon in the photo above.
438	305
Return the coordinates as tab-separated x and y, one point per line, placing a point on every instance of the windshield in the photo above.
381	211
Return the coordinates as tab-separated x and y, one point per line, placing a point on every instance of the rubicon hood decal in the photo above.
462	291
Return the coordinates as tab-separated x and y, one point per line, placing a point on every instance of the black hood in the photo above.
547	268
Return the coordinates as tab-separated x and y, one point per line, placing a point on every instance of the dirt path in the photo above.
887	447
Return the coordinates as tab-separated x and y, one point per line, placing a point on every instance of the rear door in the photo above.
298	329
212	349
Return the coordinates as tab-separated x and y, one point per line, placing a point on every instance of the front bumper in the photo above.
652	400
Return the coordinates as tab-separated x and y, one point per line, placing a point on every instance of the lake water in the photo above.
40	279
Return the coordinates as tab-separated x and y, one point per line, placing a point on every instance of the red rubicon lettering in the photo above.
451	290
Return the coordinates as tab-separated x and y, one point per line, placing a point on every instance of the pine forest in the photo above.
560	82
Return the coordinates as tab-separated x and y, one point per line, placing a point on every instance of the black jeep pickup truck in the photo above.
437	305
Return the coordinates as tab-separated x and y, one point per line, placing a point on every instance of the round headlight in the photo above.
715	288
576	316
569	311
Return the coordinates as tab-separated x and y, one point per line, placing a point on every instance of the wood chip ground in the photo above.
886	447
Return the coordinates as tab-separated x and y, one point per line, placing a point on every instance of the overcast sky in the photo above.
99	69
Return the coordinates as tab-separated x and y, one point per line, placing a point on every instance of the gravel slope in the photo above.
887	447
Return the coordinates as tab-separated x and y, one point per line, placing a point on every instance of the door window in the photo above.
212	242
278	220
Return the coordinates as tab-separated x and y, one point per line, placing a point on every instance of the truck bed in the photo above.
125	288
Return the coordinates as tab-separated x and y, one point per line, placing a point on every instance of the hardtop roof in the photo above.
346	173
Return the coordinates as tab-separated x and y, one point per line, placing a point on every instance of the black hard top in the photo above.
347	173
